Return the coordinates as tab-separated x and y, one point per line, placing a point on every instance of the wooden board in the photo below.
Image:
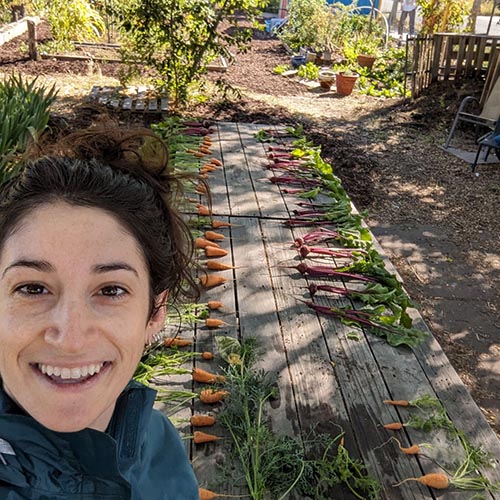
328	376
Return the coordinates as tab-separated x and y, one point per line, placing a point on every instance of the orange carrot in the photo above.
436	480
202	210
202	420
212	251
215	161
200	437
206	170
204	176
394	426
207	494
211	280
214	323
218	266
177	341
212	236
201	189
219	223
397	402
206	377
209	396
205	150
214	304
203	243
207	140
207	355
412	450
210	166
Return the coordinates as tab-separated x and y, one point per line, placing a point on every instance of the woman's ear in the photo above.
157	320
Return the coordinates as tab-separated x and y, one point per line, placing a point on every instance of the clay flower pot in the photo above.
345	83
366	61
326	79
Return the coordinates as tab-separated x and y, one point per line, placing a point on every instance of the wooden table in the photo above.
326	377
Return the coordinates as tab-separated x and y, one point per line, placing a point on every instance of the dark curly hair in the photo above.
126	174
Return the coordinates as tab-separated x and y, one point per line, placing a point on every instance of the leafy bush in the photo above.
300	31
281	68
179	38
443	15
314	24
24	108
70	20
309	71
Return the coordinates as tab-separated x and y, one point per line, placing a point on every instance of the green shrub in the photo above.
179	38
24	108
309	71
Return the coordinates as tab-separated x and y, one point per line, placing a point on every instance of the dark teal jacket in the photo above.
140	457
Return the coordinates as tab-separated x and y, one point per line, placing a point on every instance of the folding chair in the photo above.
490	141
487	116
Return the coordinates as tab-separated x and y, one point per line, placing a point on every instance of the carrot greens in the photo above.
275	466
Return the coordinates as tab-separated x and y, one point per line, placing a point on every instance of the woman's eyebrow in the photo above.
39	265
114	266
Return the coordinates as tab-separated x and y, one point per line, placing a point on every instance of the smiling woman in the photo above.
90	247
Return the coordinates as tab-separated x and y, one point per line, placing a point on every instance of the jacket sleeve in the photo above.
164	471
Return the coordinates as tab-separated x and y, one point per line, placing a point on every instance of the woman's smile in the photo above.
77	375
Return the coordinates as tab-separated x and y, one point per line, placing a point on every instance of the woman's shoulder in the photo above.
164	472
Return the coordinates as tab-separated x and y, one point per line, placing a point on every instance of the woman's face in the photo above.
74	315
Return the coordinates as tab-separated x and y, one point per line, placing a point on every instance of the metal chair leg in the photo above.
474	165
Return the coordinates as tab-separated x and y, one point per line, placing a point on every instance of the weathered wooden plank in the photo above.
356	377
209	457
152	105
242	201
127	103
269	198
317	394
15	29
259	318
164	104
463	44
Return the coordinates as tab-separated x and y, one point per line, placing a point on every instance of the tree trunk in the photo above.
475	10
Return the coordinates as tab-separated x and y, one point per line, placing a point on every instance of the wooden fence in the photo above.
449	56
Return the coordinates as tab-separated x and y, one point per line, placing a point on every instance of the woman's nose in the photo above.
70	325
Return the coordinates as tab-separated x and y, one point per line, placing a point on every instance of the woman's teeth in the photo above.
70	373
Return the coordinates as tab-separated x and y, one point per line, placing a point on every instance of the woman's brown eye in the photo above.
113	291
32	289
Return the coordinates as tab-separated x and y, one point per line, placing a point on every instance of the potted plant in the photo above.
367	51
345	79
326	78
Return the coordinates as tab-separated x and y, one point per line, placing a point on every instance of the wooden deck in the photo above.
326	377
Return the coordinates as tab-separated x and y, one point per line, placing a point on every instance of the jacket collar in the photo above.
127	427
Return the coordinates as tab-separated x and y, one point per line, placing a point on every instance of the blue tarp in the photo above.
361	3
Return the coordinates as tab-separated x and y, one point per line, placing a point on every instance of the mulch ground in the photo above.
438	223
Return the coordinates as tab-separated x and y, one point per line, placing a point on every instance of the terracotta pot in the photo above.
345	83
366	61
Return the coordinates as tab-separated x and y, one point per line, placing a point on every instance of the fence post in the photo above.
32	44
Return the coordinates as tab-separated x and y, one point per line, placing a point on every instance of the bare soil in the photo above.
438	223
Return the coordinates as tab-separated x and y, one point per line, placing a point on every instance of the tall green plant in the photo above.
179	38
443	15
299	30
24	108
71	20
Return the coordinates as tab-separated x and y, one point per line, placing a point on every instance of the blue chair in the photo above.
490	141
